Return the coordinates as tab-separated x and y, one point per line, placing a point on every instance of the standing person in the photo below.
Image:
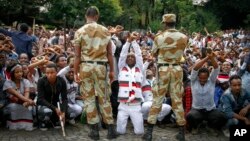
168	48
51	90
21	40
93	51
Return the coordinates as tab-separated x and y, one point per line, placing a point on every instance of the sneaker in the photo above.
43	127
72	121
226	133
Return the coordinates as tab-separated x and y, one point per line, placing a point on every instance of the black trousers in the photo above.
114	98
215	118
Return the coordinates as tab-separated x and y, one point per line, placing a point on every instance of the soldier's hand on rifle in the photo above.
111	77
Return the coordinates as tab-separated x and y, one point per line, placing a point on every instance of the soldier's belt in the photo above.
94	62
167	64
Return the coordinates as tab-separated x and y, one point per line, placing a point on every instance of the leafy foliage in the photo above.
142	14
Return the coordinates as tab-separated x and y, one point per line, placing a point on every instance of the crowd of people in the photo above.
193	78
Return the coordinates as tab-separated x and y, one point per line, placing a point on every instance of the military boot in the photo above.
111	132
94	132
181	135
148	135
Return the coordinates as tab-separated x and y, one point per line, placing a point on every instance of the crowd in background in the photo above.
24	56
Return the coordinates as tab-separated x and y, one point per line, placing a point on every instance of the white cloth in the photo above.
165	110
72	88
74	110
135	114
130	75
20	117
148	97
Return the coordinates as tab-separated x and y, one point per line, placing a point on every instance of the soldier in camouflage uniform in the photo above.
168	48
93	51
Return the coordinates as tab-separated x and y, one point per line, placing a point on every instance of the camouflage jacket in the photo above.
93	40
169	46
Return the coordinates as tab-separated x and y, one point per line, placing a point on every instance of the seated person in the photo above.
51	90
17	89
244	72
3	99
203	106
148	100
220	87
130	94
74	109
235	103
226	67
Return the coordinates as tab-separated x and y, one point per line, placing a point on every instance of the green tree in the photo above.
232	13
109	10
19	10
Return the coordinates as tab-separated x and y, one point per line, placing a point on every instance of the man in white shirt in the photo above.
203	87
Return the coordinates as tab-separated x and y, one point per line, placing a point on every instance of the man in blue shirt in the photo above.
235	103
21	40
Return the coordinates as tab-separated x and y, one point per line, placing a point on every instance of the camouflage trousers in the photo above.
169	81
92	87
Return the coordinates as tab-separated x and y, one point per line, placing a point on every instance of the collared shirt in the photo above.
203	96
228	104
49	95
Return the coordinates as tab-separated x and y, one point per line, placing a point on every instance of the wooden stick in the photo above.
61	121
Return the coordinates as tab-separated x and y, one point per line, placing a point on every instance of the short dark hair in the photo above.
22	54
24	27
68	59
92	11
203	70
58	57
52	65
234	77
